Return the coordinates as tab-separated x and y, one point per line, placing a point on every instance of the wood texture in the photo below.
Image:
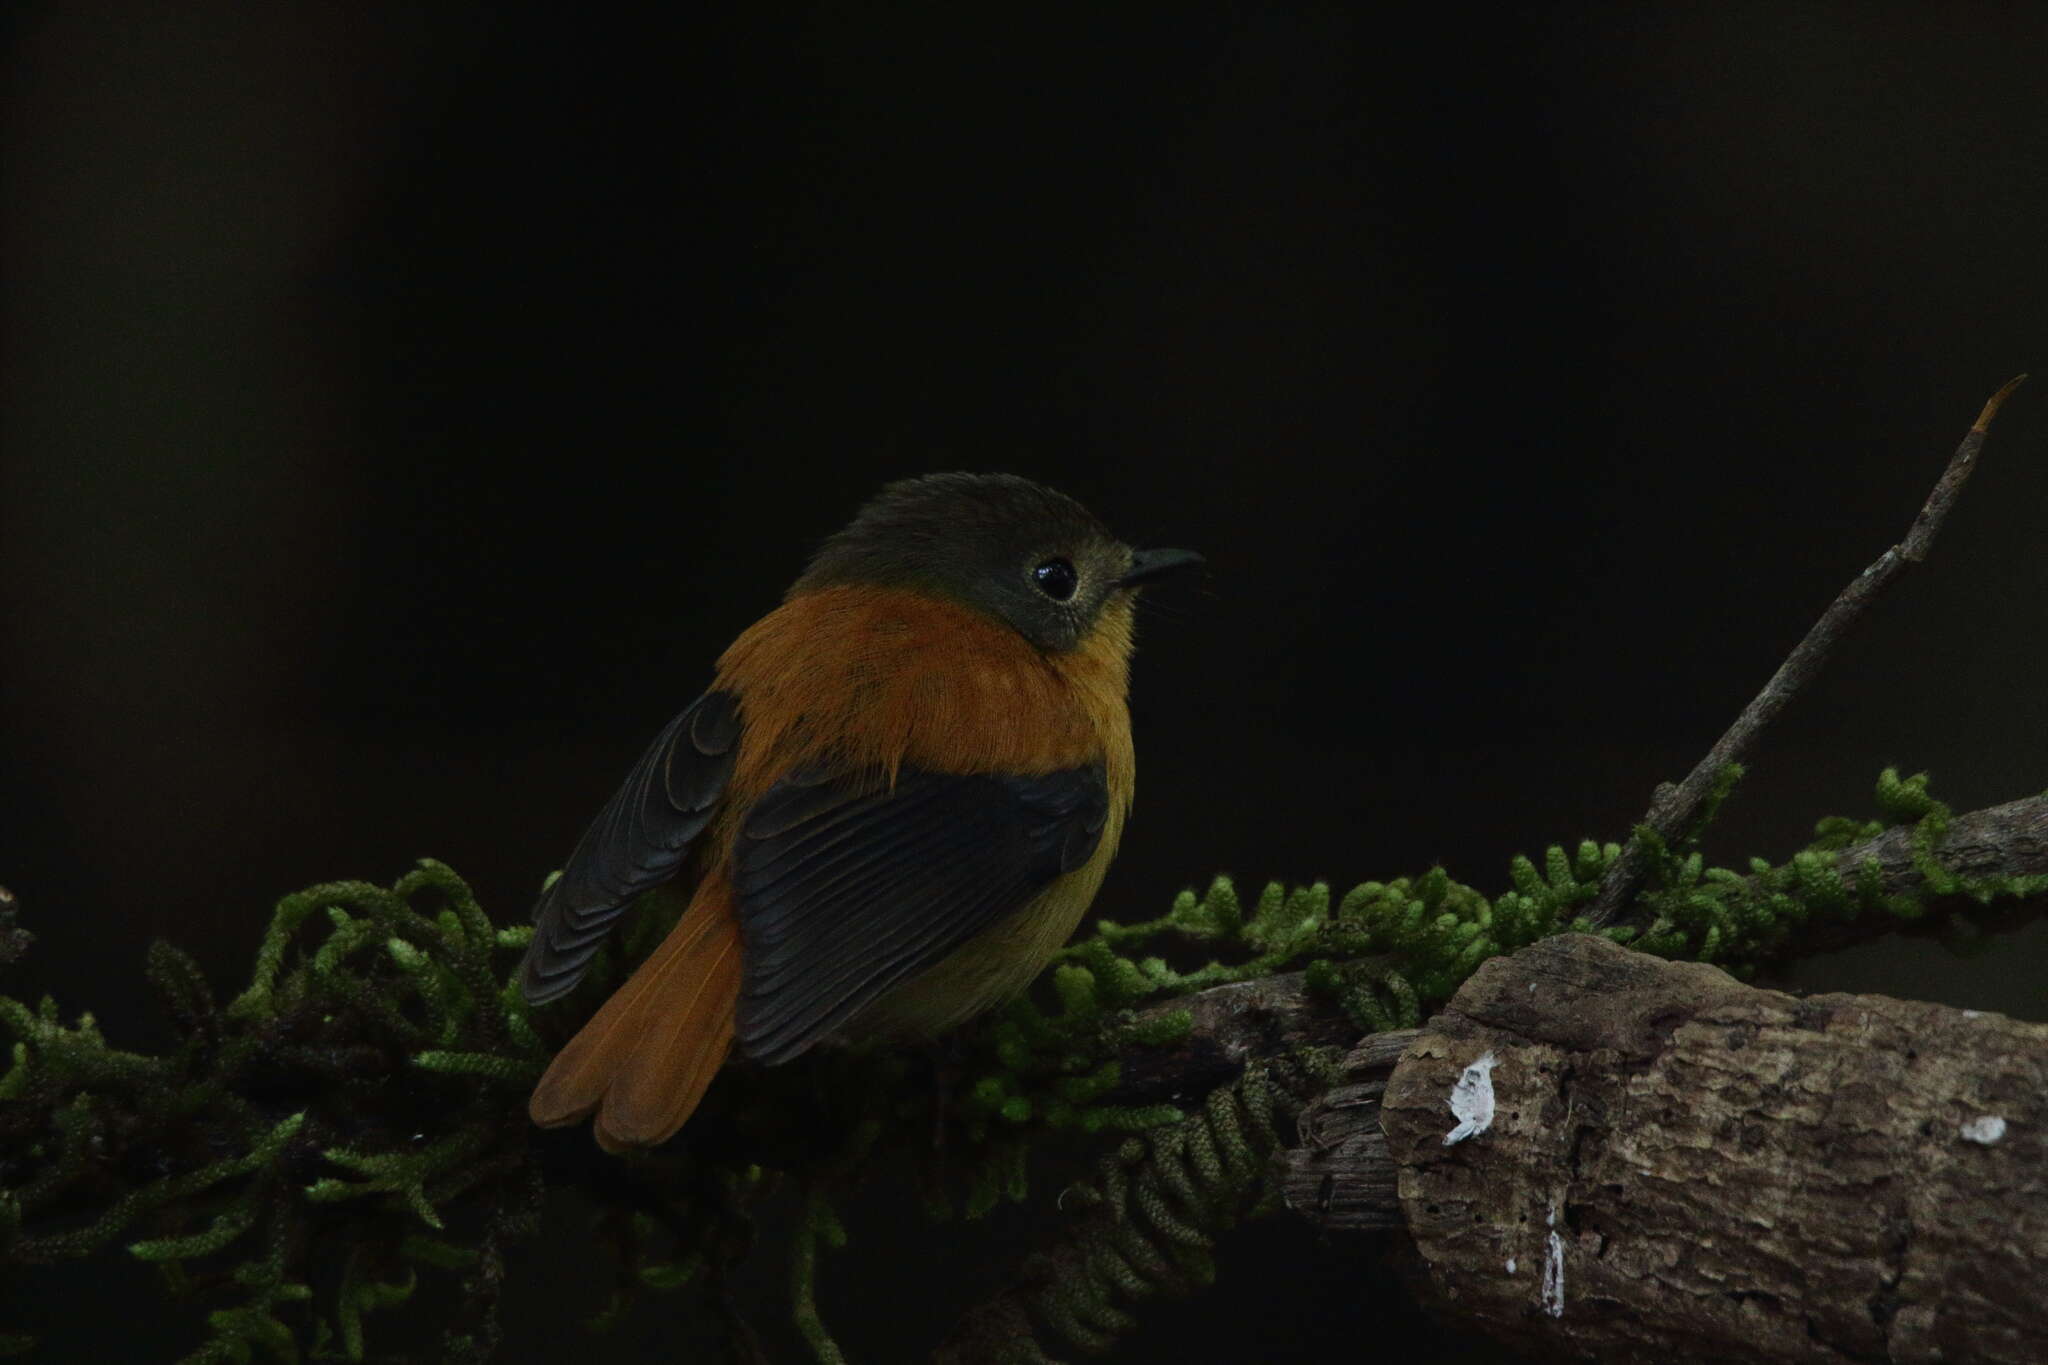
1681	1167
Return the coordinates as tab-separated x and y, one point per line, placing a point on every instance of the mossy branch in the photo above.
348	1133
222	1152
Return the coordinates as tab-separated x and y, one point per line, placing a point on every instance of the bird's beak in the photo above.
1147	565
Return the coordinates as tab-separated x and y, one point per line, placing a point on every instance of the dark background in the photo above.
401	411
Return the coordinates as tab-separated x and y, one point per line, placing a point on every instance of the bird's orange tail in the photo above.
643	1061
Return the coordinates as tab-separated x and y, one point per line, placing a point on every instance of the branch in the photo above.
1232	1025
1658	1162
1249	1019
1999	841
1673	809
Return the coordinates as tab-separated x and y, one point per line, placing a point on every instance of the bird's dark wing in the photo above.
843	888
638	840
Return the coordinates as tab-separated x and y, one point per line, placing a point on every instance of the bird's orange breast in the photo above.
869	677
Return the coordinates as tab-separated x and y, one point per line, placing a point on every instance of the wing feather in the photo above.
846	884
639	840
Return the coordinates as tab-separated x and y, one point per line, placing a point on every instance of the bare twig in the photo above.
1673	809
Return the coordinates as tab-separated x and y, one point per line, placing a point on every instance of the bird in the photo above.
890	809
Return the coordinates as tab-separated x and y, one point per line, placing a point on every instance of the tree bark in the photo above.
1660	1163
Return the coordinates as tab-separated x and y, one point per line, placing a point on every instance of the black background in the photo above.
402	409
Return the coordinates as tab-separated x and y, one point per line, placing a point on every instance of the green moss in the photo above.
368	1084
214	1149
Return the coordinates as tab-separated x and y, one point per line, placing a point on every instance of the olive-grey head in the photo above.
1015	549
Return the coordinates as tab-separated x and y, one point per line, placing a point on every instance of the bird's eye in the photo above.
1056	579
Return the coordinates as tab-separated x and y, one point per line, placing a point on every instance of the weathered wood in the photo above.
1229	1026
1342	1176
1681	1167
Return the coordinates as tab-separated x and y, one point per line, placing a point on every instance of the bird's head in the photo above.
1016	550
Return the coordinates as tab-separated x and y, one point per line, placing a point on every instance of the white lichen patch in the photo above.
1552	1297
1472	1099
1985	1128
1511	1265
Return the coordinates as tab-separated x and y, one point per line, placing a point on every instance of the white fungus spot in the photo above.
1552	1297
1472	1099
1511	1265
1986	1128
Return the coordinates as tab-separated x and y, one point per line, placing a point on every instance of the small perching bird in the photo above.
893	805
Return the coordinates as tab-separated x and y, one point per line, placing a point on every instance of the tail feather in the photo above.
645	1059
